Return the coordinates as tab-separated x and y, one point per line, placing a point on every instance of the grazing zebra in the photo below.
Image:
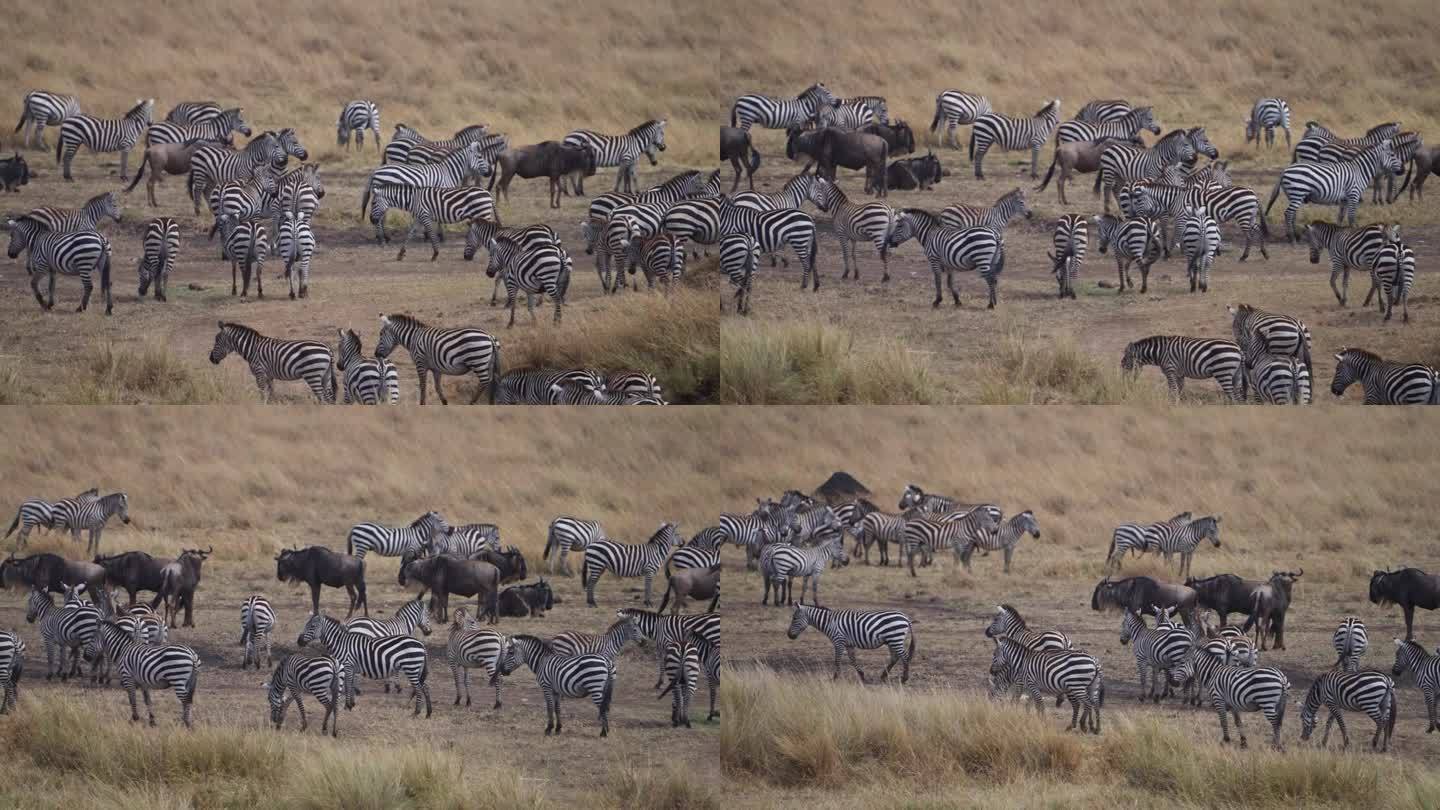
216	128
1348	247
1393	274
430	210
1350	642
12	665
951	249
1267	114
848	115
436	351
212	166
956	107
1008	622
682	676
392	542
568	533
37	512
85	218
1135	240
1340	184
358	116
470	647
247	243
683	186
91	515
867	222
1316	138
540	271
272	359
925	536
103	135
368	381
193	112
1385	382
1259	689
780	113
1138	538
161	247
1181	358
561	676
1004	538
257	619
80	253
1071	239
1278	380
849	630
642	560
1411	657
1123	163
407	140
1070	674
64	629
608	644
1100	111
662	256
1199	241
374	658
1259	332
791	562
538	386
296	674
619	150
1370	692
1159	652
296	246
1125	127
43	108
144	667
993	129
451	172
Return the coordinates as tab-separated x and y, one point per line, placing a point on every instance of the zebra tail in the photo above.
365	199
890	221
608	693
350	544
972	144
13	524
1274	195
665	600
495	363
138	174
1434	400
935	124
1394	709
59	144
1050	173
24	116
193	680
549	544
105	271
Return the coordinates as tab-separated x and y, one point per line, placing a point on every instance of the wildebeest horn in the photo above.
1300	574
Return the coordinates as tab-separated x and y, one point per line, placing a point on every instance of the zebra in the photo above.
193	112
683	186
103	135
620	237
791	562
357	116
642	560
296	246
295	675
848	115
619	150
780	113
1370	692
1100	111
1348	247
1071	239
491	147
91	515
1006	536
566	533
1350	642
754	531
794	194
1233	204
682	675
1009	622
481	231
1280	380
1138	538
951	249
42	108
257	619
452	172
1385	382
773	231
430	210
1124	163
1070	674
849	630
560	676
86	218
1207	656
470	647
37	512
1259	689
250	198
375	658
1135	240
538	386
1259	332
391	542
143	666
866	222
1267	114
81	253
543	271
913	497
436	350
1334	183
64	629
701	551
662	630
367	381
466	541
1185	539
883	528
406	140
1411	657
12	665
212	166
956	107
993	129
996	217
1125	127
216	128
272	359
1200	240
408	617
608	644
1392	272
662	256
1312	144
161	247
925	535
247	243
299	191
1159	651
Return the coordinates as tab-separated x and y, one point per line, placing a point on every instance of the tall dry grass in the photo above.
808	362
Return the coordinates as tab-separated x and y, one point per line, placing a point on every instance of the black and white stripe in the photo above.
1340	184
272	359
682	678
451	172
1233	204
1009	622
1411	657
1280	380
539	386
1266	115
664	630
257	619
1385	382
1138	538
297	675
1393	273
215	128
406	141
80	253
103	135
1199	240
296	247
145	667
356	117
12	666
1134	240
1005	537
299	191
949	249
1338	691
37	512
1185	539
481	231
245	199
560	676
996	217
849	630
1313	143
925	536
773	231
882	528
85	218
739	259
866	222
375	658
847	115
388	541
608	644
1159	653
568	533
161	247
542	271
212	166
1125	127
1260	689
913	497
91	514
662	257
470	647
1348	247
1071	674
779	113
956	107
64	630
788	562
467	540
1350	642
1071	240
623	151
430	209
993	129
628	560
1123	163
1101	110
1259	332
193	112
247	243
42	108
435	351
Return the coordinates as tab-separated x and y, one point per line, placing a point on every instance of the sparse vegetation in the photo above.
118	375
768	363
1031	371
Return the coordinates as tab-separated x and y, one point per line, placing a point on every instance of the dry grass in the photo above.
817	363
1027	371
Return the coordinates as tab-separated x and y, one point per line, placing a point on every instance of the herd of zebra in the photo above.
92	626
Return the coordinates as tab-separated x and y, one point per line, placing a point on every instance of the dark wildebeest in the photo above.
693	583
1224	594
316	566
735	146
510	562
519	601
830	148
53	573
14	172
839	488
179	581
1143	595
1409	588
551	159
1268	606
135	571
897	136
913	174
444	575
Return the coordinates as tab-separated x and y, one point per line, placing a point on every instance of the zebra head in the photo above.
38	603
1252	129
1351	365
474	161
314	629
1200	144
1131	623
348	351
224	343
1310	707
1105	226
290	146
22	231
389	336
800	619
1208	528
502	252
415	614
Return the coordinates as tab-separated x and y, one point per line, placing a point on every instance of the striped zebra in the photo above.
408	617
538	386
212	166
623	151
997	217
374	658
406	140
299	191
1123	163
1009	622
625	560
295	247
1199	240
435	351
468	540
81	253
1316	137
1266	115
1279	380
37	512
1071	239
561	676
272	359
949	249
608	644
430	209
1338	690
1208	656
1260	689
754	531
683	186
296	675
42	108
1259	332
865	222
452	172
481	231
1138	538
253	197
882	528
1348	247
773	231
1411	657
1125	127
807	564
1070	674
1004	538
216	128
621	237
357	116
1393	273
794	194
85	218
1136	240
247	243
1350	642
387	541
662	257
663	630
925	536
470	647
12	665
91	515
542	271
847	115
257	619
993	129
568	533
1342	184
491	147
193	112
849	630
145	667
65	629
1100	111
956	107
913	497
1159	652
161	247
103	135
682	677
780	113
700	552
1385	382
1233	204
1186	539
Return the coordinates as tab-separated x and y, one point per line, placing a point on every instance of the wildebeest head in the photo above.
1383	587
287	565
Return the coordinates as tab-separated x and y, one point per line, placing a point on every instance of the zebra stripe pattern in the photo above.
848	115
1071	239
470	647
1100	111
257	619
1125	127
375	658
299	191
560	676
394	542
1278	380
1411	657
1266	115
1393	274
780	113
788	563
1340	184
356	117
91	515
436	351
1135	240
882	528
37	512
1073	675
1159	652
1385	382
317	675
1199	240
12	665
739	259
1006	536
537	271
1138	538
215	128
533	386
531	236
42	108
682	677
161	247
625	560
997	217
296	247
849	630
773	231
993	129
147	667
81	253
1350	642
103	135
272	359
64	629
665	630
85	218
1259	332
467	540
608	644
247	243
1009	622
452	172
662	256
1261	689
406	141
1338	690
1185	539
1233	204
956	107
212	166
568	533
620	150
949	249
867	222
1123	163
193	112
1312	144
1348	247
430	210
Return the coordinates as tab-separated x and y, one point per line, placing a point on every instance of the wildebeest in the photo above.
179	581
839	488
134	571
316	566
51	572
897	135
693	583
1268	606
520	601
510	562
829	148
169	158
551	159
1082	157
444	574
1409	588
1143	595
1224	594
919	173
14	172
735	146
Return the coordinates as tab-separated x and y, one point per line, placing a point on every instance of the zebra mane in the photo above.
1359	354
140	107
543	644
1009	608
463	131
1173	134
239	327
406	320
1053	104
1375	130
111	499
636	130
934	221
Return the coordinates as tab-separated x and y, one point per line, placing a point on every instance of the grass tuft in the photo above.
1027	371
150	373
815	363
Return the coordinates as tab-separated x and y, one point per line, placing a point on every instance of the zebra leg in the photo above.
850	651
149	706
300	707
124	164
839	654
130	692
649	579
462	683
